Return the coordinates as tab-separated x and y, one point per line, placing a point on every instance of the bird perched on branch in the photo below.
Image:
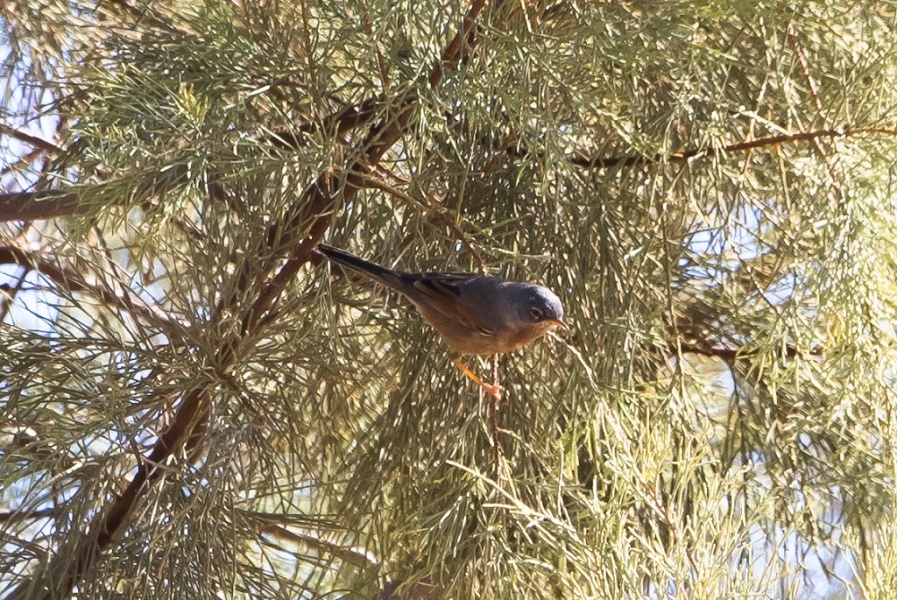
475	314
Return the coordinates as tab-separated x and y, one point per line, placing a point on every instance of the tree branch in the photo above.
731	355
586	162
14	515
65	573
317	200
46	204
30	139
73	282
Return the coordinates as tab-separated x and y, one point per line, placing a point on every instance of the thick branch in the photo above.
28	206
316	212
317	200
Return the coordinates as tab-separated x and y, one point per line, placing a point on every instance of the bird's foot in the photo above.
491	389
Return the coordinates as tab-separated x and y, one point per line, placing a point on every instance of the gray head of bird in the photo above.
536	311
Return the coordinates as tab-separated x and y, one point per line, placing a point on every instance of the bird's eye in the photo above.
536	313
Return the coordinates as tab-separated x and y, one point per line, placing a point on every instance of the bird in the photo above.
475	314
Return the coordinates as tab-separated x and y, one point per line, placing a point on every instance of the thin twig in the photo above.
586	162
381	63
805	67
731	355
494	401
22	162
117	274
670	522
15	515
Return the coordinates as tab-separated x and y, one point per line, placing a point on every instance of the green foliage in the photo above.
707	186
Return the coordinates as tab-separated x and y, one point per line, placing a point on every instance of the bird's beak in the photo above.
559	323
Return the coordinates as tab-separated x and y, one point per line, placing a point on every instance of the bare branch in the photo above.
31	139
731	355
35	514
74	282
587	162
28	206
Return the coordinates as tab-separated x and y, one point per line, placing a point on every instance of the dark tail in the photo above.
387	277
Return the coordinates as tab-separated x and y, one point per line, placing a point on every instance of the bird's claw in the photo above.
492	390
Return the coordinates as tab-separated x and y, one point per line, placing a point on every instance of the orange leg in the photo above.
493	390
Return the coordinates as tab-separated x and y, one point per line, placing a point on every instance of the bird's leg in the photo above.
493	390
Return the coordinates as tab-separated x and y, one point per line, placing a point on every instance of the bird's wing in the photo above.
444	293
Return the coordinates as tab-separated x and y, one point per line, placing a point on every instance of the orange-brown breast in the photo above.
524	335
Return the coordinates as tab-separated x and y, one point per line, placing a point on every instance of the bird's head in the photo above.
537	310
